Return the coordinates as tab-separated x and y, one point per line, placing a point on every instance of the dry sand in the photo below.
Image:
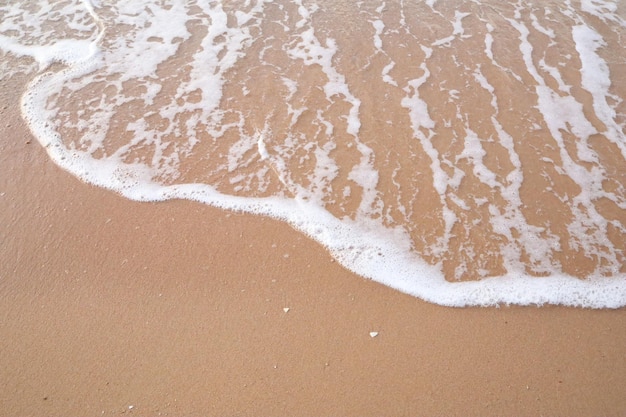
111	307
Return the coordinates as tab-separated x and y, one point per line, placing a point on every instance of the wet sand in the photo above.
111	307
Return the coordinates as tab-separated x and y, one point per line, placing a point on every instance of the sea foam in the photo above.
475	160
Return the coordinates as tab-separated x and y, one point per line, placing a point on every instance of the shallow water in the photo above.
468	154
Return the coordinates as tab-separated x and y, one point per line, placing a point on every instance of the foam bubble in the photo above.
268	108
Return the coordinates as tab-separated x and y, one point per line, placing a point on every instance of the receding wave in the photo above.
467	154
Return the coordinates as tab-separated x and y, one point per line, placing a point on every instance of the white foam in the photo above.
540	28
379	26
596	79
588	229
457	30
602	9
262	148
363	242
385	73
66	51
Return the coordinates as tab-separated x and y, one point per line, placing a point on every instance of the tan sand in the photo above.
111	307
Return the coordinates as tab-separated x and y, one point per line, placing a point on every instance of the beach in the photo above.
312	208
115	307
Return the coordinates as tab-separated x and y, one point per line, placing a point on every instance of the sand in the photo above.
112	307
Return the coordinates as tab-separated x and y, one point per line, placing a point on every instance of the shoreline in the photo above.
114	307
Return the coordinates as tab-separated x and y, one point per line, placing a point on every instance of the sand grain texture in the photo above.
111	307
